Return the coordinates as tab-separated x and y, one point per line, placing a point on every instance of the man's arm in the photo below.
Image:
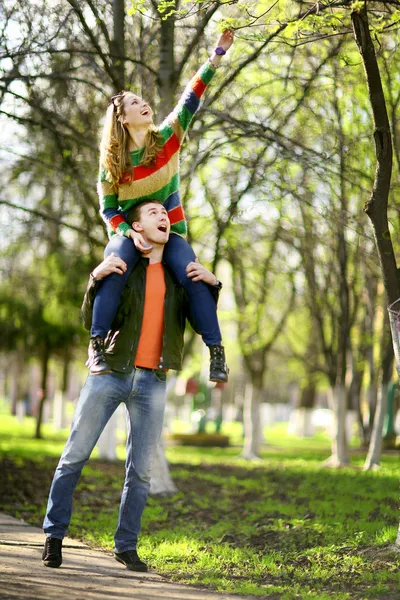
112	264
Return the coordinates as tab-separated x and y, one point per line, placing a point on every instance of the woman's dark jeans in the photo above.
177	255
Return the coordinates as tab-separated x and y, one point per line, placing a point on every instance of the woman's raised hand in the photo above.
139	241
225	40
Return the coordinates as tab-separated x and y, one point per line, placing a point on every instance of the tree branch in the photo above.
42	215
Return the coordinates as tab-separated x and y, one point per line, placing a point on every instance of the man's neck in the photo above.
156	255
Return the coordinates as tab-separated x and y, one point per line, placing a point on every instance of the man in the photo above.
145	341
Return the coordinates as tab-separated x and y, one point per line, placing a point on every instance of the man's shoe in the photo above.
96	362
131	560
218	367
52	556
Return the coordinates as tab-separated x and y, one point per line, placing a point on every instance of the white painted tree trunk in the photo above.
59	417
252	423
107	444
20	411
340	449
373	458
161	480
300	423
372	396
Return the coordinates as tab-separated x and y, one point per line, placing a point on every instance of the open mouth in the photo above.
145	112
162	228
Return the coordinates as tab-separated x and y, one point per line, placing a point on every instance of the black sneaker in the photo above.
131	560
218	367
52	556
96	362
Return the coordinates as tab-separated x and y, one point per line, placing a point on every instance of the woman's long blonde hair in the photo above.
114	146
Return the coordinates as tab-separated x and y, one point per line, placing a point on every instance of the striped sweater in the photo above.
159	181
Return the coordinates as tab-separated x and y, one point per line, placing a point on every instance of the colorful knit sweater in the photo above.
159	181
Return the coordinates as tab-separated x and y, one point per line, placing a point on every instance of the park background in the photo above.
276	170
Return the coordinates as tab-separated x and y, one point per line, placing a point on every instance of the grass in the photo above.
282	528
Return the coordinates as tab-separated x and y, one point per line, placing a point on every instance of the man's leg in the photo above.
145	414
98	400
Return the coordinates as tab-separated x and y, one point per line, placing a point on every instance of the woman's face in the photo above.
137	113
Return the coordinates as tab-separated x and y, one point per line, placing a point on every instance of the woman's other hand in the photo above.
111	264
139	241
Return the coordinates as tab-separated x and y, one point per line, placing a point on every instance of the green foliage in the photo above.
136	6
357	5
40	305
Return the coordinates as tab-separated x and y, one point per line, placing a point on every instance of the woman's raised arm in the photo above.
179	119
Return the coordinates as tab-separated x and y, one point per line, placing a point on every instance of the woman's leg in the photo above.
177	255
110	288
107	299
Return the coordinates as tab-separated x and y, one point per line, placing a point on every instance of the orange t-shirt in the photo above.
151	337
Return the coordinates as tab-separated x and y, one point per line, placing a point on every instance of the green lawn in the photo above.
282	528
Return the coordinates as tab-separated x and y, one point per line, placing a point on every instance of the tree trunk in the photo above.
389	433
118	42
166	73
340	450
372	300
107	442
375	446
59	418
374	452
354	397
252	422
44	373
161	480
372	395
301	418
376	208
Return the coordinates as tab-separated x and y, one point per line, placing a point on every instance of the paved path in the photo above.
85	574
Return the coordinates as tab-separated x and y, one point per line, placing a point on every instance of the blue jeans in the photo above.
143	393
177	255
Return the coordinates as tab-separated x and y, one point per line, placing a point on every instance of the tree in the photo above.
264	301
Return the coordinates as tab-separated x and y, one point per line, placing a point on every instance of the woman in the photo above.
140	161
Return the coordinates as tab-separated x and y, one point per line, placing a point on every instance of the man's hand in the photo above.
197	272
111	264
139	241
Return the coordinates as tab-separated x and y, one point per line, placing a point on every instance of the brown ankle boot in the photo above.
97	362
218	367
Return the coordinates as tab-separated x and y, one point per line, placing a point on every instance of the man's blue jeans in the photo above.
143	393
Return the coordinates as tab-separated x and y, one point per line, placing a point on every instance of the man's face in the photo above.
153	224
